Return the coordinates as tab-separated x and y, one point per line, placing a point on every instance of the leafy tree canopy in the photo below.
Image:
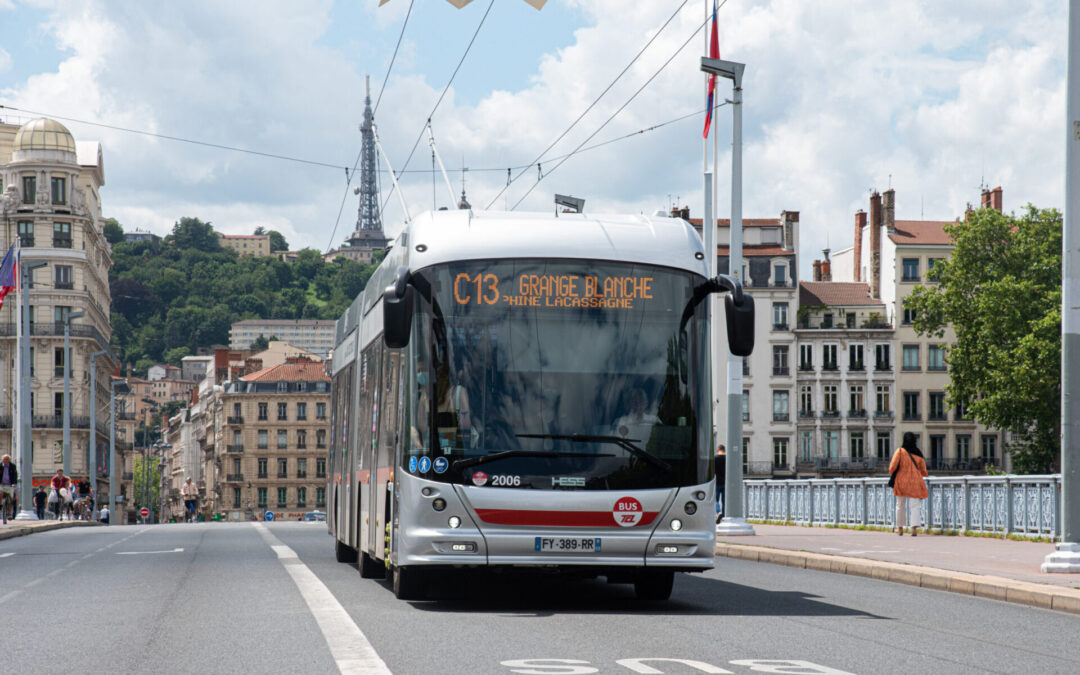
277	241
114	234
1001	294
193	233
262	342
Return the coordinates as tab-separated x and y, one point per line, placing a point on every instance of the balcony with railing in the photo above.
234	478
234	419
883	414
831	365
807	414
57	421
780	371
234	448
830	414
857	413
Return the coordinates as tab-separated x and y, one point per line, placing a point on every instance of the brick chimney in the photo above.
860	223
875	245
984	201
817	270
996	199
789	221
889	210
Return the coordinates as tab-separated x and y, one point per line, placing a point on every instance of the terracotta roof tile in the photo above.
921	232
835	293
306	371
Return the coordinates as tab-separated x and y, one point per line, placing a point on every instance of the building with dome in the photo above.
50	200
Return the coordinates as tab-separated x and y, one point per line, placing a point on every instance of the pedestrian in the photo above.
39	502
104	515
9	478
190	492
907	469
721	476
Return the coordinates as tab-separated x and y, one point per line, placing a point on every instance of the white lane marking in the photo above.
5	598
175	550
5	555
348	645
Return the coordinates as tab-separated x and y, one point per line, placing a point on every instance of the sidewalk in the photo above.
18	528
1002	569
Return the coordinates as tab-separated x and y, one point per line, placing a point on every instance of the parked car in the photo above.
315	517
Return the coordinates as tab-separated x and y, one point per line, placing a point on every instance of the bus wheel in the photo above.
370	568
343	553
408	583
654	584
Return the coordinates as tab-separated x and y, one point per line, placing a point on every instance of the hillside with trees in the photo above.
172	298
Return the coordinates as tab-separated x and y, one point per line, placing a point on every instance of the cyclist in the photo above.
9	478
190	492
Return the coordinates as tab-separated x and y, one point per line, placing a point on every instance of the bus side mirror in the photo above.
398	310
740	324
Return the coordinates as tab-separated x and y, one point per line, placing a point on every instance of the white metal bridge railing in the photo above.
1013	504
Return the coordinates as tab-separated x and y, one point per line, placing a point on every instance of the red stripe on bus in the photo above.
556	518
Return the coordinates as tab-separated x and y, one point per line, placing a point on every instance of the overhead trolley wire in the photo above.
438	102
614	114
591	105
349	174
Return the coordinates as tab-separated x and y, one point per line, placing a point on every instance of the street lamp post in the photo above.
734	522
67	389
26	461
92	454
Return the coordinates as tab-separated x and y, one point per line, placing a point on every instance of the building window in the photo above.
263	467
301	497
911	269
745	454
779	452
264	441
962	410
262	498
320	411
806	357
282	412
855	444
806	445
320	496
58	361
881	357
779	360
29	189
806	400
301	411
911	405
301	386
937	405
858	404
911	357
282	467
832	444
779	315
849	319
237	410
60	314
320	438
855	357
909	316
263	411
282	439
989	448
58	404
963	448
745	405
282	497
935	357
933	274
780	275
828	357
883	404
826	320
937	451
61	237
236	497
26	233
830	399
282	387
301	439
62	277
59	193
780	406
884	445
320	467
301	467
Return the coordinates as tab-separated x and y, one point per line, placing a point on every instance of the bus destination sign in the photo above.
553	290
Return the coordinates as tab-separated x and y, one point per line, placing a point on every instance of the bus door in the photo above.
369	377
376	532
388	434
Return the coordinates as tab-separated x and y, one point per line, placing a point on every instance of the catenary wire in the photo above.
591	105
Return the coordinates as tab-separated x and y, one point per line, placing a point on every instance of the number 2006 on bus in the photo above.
568	544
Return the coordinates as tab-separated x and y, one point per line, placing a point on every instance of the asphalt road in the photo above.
240	598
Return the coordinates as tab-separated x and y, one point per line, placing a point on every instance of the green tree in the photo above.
173	356
114	234
262	342
1001	294
277	241
259	230
193	233
147	483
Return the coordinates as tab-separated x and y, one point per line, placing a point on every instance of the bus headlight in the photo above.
438	504
676	524
690	508
454	522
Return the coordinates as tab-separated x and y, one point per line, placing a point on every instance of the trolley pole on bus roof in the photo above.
1067	556
734	520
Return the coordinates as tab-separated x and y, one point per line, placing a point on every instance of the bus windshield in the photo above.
562	374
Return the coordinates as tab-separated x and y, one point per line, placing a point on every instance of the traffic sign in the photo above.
269	515
144	512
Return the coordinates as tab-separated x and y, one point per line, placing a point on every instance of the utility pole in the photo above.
1067	556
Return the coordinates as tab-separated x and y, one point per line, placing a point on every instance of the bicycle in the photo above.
7	501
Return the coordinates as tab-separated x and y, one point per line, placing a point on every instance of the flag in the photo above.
8	274
714	53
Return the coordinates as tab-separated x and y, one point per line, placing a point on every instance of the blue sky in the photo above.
841	96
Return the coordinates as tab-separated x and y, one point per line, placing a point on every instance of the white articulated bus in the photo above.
530	390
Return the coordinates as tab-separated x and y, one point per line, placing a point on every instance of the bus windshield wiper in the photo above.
624	443
483	459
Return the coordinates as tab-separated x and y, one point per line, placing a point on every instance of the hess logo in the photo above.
627	512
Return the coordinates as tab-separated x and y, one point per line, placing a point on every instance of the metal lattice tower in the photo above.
369	228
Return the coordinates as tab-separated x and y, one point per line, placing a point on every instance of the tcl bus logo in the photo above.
628	512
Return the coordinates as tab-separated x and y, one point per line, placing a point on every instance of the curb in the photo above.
22	530
983	586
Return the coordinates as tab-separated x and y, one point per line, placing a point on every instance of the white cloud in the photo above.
5	61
